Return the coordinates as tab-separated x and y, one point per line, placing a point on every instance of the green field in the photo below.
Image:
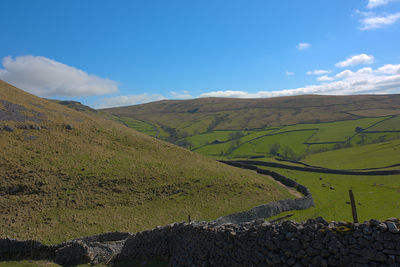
261	146
392	124
295	141
360	157
377	197
139	126
207	138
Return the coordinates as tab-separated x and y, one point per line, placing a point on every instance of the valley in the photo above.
353	133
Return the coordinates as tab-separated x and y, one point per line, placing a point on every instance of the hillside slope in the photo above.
66	173
206	114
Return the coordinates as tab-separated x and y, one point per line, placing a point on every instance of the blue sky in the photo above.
110	53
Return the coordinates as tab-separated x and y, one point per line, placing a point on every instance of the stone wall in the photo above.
270	209
311	169
315	242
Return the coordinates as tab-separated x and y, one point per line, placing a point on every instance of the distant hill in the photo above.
288	127
202	115
67	173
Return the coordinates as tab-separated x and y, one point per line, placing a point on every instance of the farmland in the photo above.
376	196
295	141
299	126
345	133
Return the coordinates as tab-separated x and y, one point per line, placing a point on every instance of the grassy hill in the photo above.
202	115
66	173
299	126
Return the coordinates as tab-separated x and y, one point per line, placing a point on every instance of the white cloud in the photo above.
356	60
182	95
363	81
128	100
233	94
46	77
325	78
365	71
389	69
302	46
318	72
376	3
344	74
372	21
289	73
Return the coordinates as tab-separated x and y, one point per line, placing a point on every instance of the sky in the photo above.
120	52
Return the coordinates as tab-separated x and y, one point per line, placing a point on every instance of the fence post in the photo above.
353	206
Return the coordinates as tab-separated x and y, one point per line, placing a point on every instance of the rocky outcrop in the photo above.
315	242
18	113
7	128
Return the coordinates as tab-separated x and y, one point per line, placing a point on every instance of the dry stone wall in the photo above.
310	169
273	208
315	242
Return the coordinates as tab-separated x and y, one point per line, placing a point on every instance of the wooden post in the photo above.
189	218
353	206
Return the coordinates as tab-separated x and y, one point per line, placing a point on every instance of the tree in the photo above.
288	153
274	148
359	129
236	135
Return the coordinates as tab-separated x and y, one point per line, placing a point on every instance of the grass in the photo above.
338	131
375	112
70	183
377	197
292	141
214	150
204	139
392	124
261	146
195	116
139	126
103	176
360	157
333	119
292	138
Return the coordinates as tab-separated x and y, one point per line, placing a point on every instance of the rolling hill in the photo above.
67	173
298	125
206	114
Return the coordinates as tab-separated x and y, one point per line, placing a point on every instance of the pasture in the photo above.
377	197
